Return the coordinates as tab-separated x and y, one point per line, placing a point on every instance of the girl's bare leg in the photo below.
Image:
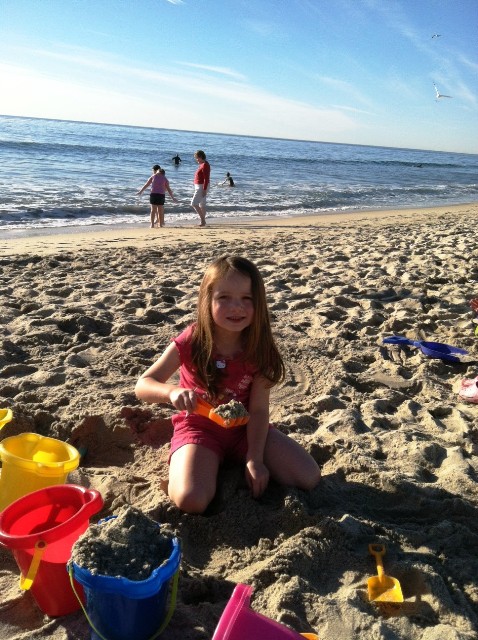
288	463
161	215
155	214
192	477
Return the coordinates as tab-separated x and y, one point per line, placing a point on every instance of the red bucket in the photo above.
41	529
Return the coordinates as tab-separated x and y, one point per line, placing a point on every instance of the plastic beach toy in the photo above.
206	409
469	390
121	609
30	462
40	529
430	349
382	588
5	416
240	622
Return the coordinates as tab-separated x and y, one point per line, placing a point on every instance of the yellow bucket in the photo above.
31	462
5	416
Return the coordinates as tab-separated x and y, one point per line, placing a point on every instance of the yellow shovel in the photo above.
382	588
5	416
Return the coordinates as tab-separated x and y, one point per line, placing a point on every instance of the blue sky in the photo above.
352	71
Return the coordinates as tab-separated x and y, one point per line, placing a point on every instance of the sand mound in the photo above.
128	545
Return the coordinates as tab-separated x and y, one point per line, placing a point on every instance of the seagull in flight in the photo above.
436	35
439	95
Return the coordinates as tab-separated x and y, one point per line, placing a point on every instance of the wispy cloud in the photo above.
100	60
465	60
347	88
263	28
175	1
170	96
225	71
462	91
352	109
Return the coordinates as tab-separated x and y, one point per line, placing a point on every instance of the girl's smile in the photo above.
232	307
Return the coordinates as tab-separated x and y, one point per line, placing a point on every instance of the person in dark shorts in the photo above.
159	185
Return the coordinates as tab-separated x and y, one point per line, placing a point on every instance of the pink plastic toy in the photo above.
239	621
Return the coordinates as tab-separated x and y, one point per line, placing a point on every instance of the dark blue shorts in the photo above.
156	198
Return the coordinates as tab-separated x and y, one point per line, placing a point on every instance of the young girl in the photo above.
228	354
159	185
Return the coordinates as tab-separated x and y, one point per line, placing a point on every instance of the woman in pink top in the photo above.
201	183
159	185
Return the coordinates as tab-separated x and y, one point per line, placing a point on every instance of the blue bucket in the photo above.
122	609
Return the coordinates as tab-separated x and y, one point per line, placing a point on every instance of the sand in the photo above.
85	313
127	545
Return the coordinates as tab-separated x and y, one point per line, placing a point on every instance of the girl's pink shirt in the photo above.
238	374
158	183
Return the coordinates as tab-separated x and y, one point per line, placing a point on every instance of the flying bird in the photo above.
439	95
436	35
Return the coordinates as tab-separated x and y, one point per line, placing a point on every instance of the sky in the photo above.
347	71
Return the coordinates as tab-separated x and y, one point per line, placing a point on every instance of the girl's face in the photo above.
232	307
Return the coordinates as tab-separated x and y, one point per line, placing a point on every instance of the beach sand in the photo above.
85	313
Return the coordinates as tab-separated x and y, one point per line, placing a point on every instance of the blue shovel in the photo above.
430	349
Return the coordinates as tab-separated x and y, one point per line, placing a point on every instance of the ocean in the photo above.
56	174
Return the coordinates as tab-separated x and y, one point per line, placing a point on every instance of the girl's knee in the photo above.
311	480
190	501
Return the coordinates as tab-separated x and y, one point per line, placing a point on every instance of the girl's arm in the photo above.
153	385
257	474
170	192
145	186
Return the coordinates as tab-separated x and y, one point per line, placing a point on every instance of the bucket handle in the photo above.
166	621
27	582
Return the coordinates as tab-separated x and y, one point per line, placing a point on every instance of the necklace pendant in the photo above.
221	364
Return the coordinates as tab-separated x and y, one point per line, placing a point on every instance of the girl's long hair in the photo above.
259	346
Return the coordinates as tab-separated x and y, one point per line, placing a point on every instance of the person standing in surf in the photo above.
201	183
159	185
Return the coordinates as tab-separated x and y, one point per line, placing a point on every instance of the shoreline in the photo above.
51	240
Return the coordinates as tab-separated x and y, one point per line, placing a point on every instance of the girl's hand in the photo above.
257	477
183	399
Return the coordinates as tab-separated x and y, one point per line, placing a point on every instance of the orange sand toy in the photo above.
206	409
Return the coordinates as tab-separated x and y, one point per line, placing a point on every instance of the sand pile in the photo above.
129	545
231	410
397	446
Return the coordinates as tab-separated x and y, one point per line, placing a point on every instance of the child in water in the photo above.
229	353
228	181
